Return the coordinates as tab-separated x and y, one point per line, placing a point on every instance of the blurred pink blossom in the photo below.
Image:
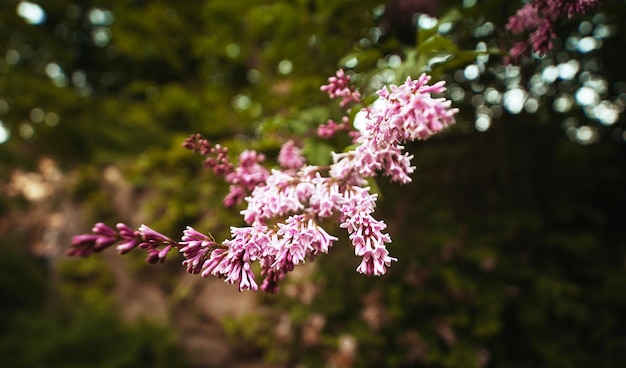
290	156
539	17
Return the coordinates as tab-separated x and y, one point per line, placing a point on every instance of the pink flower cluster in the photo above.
366	232
243	177
538	17
216	156
404	113
290	156
331	127
339	86
246	176
304	199
287	207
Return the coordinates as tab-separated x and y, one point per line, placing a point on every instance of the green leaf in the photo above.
436	43
316	152
452	16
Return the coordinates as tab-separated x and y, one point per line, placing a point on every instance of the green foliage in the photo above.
88	339
46	327
24	282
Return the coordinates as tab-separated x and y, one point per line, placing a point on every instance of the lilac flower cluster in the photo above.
243	177
339	86
331	127
538	17
290	156
287	207
405	113
216	156
246	176
196	249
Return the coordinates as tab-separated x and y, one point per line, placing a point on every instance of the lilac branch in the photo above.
285	207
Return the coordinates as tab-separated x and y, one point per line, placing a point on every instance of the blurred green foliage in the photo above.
46	326
510	241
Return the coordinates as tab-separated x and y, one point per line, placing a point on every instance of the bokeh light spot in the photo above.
241	102
26	131
233	50
587	44
606	113
549	74
425	21
12	57
51	119
471	72
563	103
31	12
586	96
4	106
585	135
99	17
482	123
285	67
568	70
4	133
37	115
514	100
101	36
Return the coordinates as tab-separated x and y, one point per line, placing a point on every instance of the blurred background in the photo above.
510	239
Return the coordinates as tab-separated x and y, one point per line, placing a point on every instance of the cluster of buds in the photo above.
339	87
154	243
286	208
243	177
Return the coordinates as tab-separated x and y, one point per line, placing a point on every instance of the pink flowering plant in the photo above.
537	19
290	210
286	206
